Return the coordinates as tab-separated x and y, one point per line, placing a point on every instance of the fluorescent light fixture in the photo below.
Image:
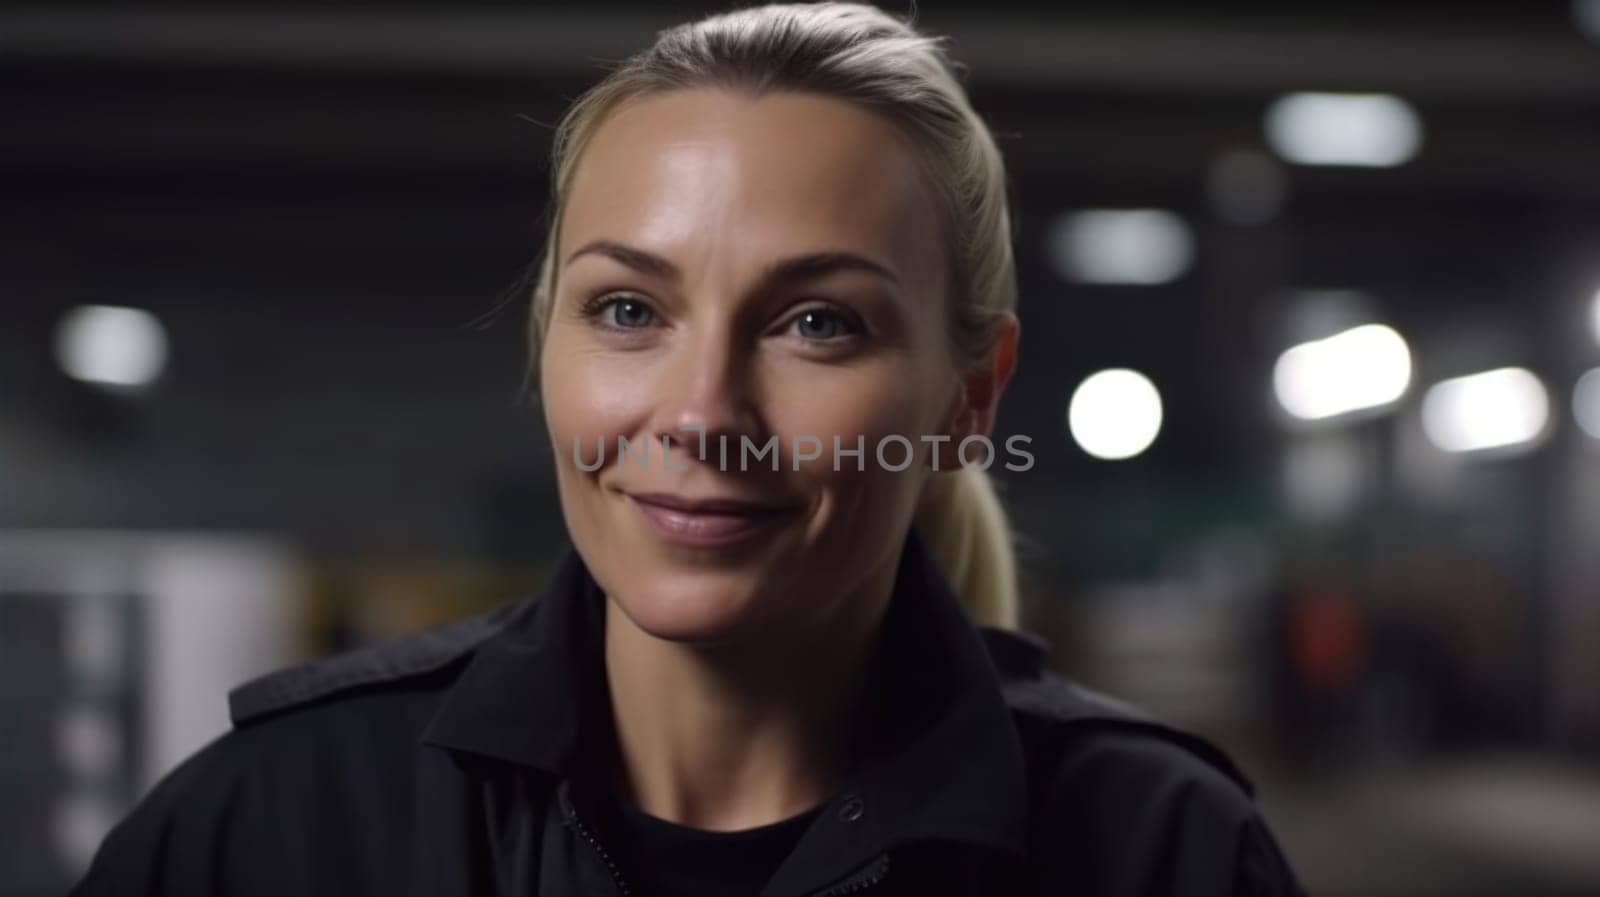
111	346
1115	414
1586	403
1362	129
1121	246
1495	409
1360	368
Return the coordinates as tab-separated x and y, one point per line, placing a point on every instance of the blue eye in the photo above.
822	325
621	311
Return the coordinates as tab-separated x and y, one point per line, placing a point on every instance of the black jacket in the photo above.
452	763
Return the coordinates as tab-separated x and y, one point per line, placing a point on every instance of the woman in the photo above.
775	659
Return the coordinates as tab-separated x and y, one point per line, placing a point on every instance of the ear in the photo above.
973	411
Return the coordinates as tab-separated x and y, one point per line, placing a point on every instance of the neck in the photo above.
744	734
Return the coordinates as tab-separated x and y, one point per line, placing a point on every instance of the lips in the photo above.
710	505
708	522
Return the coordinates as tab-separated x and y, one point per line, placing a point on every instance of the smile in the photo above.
708	524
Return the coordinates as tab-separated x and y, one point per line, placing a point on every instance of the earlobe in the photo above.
965	419
952	426
1007	344
977	394
987	382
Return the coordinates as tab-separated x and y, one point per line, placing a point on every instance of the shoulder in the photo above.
1119	796
324	743
359	712
396	664
1080	721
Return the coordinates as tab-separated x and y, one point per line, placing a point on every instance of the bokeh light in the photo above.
1368	130
111	346
1360	368
1115	414
1121	246
1499	409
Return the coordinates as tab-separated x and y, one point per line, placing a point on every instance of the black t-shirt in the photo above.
664	859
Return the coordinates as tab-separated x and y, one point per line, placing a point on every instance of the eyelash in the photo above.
597	306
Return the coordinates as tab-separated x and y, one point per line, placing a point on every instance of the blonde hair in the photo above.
859	54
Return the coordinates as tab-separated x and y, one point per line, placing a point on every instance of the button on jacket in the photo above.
455	763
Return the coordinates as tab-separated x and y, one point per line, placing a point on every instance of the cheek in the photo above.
587	400
861	408
867	409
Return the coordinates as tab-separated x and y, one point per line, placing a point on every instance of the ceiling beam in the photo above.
1454	58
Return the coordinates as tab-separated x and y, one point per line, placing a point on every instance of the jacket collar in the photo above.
944	760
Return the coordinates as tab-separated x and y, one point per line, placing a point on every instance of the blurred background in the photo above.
1311	368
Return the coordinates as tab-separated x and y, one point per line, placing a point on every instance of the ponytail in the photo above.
965	527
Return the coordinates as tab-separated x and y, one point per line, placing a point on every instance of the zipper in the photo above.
570	814
860	881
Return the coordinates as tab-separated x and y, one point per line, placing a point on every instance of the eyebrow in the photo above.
796	268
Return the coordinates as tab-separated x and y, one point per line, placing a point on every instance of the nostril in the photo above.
692	439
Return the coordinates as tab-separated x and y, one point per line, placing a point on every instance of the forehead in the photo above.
676	172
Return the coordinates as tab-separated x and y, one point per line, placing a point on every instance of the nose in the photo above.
707	399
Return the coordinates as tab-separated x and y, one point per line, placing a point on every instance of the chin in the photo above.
691	609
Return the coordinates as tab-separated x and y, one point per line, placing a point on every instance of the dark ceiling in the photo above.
331	174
